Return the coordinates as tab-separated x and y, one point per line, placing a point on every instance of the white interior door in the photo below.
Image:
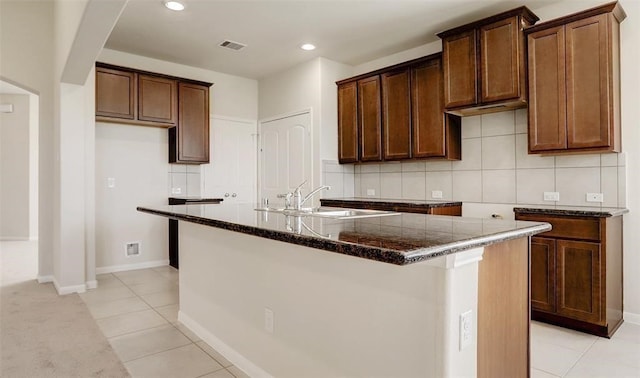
285	155
232	173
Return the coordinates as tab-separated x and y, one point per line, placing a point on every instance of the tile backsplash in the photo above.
495	168
185	179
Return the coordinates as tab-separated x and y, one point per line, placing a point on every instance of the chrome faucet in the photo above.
298	200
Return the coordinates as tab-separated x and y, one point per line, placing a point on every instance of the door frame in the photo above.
314	181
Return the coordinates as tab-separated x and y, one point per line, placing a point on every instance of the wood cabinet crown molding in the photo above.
523	11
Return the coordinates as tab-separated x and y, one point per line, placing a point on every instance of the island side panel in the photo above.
334	315
503	310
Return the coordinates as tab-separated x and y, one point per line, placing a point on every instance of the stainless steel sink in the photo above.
331	213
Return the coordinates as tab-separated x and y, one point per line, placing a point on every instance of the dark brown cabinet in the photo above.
189	141
348	122
370	119
125	95
115	94
576	272
397	113
484	64
574	82
157	99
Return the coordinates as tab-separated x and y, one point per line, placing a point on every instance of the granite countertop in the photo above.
390	202
574	211
400	239
192	199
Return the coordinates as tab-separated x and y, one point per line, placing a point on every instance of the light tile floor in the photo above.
138	312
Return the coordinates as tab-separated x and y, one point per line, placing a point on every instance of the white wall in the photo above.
137	158
26	37
402	56
34	112
14	168
330	72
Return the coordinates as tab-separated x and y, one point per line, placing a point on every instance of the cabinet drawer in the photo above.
569	228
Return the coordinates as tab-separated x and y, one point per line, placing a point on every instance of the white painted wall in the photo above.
402	56
26	37
330	72
14	168
34	113
137	157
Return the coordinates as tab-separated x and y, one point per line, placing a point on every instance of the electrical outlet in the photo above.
437	194
111	182
371	192
595	197
268	320
552	196
176	190
466	329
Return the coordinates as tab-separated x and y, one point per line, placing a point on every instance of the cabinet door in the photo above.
396	111
193	128
370	119
460	69
157	99
427	108
589	91
543	274
500	63
547	93
348	122
115	93
579	275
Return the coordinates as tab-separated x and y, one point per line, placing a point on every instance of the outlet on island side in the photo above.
268	320
466	329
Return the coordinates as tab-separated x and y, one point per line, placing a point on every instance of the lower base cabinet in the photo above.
576	273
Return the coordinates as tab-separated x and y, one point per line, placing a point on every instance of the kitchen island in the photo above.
400	295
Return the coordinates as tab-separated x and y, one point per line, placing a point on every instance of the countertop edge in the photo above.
390	202
357	250
604	213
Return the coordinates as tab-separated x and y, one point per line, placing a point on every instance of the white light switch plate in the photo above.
552	196
111	182
595	197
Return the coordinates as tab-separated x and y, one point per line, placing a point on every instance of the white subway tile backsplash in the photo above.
609	186
574	184
391	185
413	185
392	166
348	168
622	189
498	152
357	185
357	168
622	159
370	181
532	183
193	168
467	186
178	168
442	181
577	161
471	156
331	166
436	166
349	185
521	121
499	186
414	166
178	181
193	184
370	168
502	123
609	160
336	182
471	127
525	160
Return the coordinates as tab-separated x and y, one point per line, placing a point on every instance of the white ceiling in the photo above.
346	31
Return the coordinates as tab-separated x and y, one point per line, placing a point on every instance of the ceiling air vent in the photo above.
232	45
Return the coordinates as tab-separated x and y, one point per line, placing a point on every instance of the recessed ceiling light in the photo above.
308	47
174	5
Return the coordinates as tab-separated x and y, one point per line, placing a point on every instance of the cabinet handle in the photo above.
226	194
234	195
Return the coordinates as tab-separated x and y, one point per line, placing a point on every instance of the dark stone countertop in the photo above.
388	202
190	200
574	211
400	239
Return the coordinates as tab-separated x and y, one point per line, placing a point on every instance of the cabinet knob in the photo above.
226	194
234	195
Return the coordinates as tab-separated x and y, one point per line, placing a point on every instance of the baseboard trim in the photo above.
45	279
64	290
229	353
91	284
14	238
630	317
122	268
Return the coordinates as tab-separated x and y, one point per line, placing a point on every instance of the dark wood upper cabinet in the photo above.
348	122
574	82
192	134
396	111
435	134
370	119
157	99
115	93
484	63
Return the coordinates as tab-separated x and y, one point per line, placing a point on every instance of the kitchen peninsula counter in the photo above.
436	207
397	239
290	296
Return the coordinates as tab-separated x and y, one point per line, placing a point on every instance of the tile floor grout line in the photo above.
153	354
124	313
580	358
140	330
